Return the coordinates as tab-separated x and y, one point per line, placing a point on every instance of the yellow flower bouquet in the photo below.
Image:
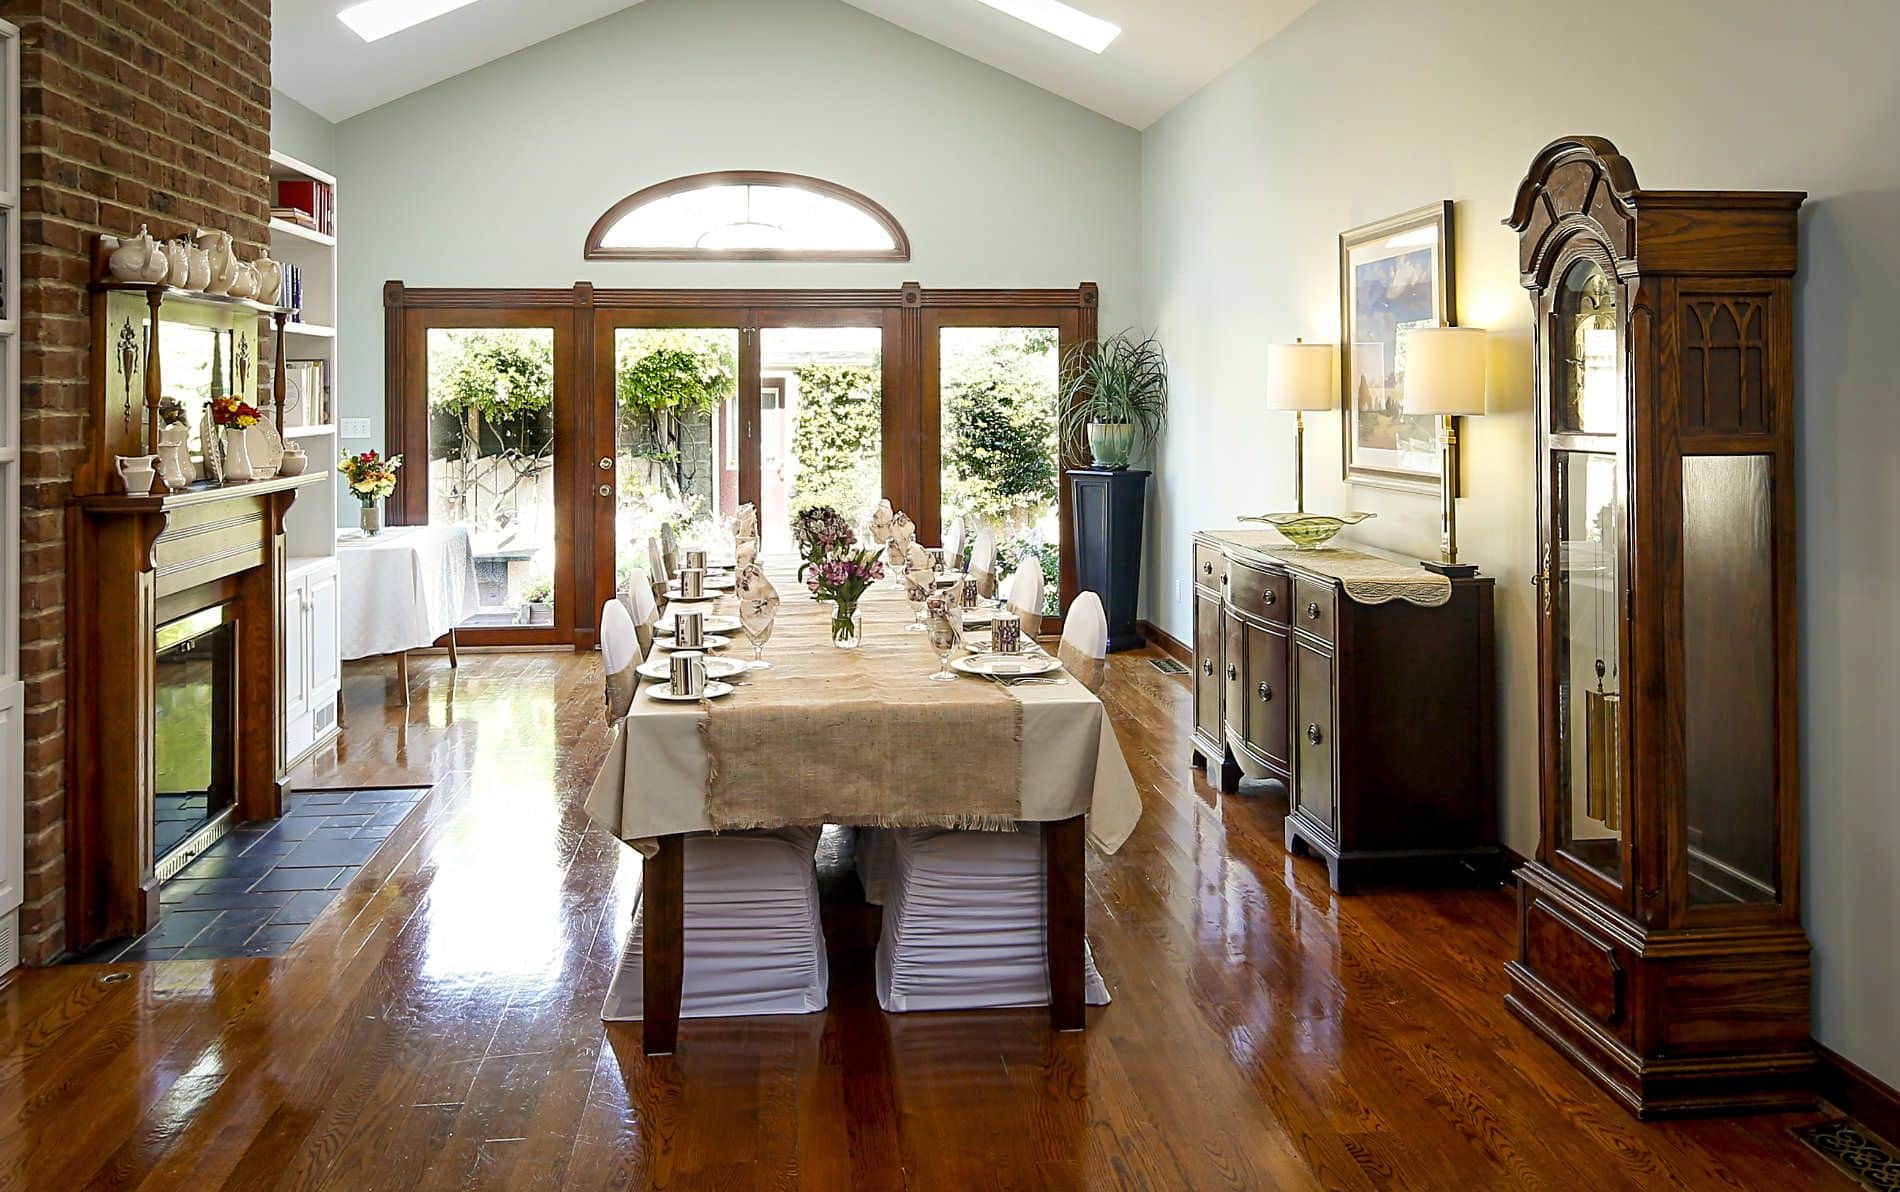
371	477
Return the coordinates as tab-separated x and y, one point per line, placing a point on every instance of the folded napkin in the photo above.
902	527
745	524
758	601
745	552
903	537
881	520
917	557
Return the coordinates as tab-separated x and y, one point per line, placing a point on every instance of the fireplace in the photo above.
195	736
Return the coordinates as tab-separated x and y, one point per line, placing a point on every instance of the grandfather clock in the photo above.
1659	930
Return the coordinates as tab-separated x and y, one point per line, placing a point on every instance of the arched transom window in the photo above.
747	215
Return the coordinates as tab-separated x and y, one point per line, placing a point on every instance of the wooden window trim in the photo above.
595	250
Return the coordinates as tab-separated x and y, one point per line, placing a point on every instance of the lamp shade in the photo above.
1299	376
1444	370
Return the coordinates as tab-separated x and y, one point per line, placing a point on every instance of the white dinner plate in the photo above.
714	689
1006	666
713	642
718	624
978	616
716	668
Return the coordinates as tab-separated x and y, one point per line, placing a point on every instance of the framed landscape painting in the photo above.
1393	275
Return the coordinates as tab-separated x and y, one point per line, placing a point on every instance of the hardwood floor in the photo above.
438	1026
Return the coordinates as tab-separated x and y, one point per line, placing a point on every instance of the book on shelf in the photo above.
314	199
295	215
306	393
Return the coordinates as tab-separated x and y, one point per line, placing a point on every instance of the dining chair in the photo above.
645	611
620	656
657	573
1025	595
963	923
953	545
1084	648
752	935
983	561
670	549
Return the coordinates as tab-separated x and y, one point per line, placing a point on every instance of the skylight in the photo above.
1070	24
373	20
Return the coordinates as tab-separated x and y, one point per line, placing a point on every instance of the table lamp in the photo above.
1299	378
1445	377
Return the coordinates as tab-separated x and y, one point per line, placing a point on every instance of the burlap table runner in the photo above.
868	726
1368	579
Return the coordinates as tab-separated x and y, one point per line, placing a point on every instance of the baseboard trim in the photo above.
1167	642
1867	1098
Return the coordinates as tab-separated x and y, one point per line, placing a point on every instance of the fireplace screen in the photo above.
195	733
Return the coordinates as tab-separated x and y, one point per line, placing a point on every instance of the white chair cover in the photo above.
963	923
620	653
983	561
753	942
658	576
953	544
1084	648
1025	595
645	610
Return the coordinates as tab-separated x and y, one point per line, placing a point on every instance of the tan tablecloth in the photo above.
656	776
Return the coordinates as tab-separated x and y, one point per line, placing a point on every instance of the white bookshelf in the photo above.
12	688
313	669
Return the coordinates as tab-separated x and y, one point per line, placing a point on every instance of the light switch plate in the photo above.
356	428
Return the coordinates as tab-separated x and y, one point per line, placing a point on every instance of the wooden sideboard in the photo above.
1376	718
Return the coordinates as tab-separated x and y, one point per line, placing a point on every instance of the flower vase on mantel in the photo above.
372	518
236	452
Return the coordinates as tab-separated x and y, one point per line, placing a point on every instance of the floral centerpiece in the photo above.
820	533
233	416
842	577
371	478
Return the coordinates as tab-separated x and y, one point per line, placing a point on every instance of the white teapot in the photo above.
222	260
139	259
197	266
244	285
177	263
270	279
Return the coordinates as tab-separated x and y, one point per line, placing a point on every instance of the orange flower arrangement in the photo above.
229	410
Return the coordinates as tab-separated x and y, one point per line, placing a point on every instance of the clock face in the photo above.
1587	382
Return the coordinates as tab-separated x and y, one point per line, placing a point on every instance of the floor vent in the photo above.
1168	666
1862	1156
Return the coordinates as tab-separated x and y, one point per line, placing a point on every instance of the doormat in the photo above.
1167	666
1862	1156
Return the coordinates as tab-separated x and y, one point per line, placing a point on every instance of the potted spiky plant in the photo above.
1114	406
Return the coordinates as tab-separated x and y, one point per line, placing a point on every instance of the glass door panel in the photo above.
491	464
821	425
998	392
1586	633
677	434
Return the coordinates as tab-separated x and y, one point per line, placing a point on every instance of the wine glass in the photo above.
943	639
917	595
758	635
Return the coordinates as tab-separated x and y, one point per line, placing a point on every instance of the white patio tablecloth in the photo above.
655	778
404	588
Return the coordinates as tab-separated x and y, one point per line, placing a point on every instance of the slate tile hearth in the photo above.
254	892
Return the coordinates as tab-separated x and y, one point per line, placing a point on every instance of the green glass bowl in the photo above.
1308	531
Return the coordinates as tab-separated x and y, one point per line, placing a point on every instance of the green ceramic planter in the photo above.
1111	443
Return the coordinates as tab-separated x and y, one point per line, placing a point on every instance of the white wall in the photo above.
300	132
1364	108
495	176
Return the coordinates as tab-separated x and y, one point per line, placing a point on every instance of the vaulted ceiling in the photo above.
1168	49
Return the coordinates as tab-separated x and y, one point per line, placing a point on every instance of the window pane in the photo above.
1587	512
821	425
999	393
741	217
675	435
491	463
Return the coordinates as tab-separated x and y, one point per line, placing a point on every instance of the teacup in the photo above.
688	673
1006	633
689	630
966	592
696	560
692	583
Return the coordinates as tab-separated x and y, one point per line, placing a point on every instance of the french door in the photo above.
562	426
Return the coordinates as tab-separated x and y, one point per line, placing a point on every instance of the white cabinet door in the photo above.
296	649
326	667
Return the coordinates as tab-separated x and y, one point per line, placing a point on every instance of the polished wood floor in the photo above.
437	1027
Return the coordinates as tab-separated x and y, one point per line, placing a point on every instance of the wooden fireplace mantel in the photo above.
136	562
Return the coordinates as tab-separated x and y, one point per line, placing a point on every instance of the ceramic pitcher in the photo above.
138	259
270	279
177	263
222	260
137	473
174	454
197	266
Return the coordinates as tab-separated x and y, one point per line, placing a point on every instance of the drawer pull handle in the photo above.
1312	610
1233	672
1207	666
1268	597
1266	693
1207	569
1313	733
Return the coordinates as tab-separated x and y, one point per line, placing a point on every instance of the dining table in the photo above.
860	736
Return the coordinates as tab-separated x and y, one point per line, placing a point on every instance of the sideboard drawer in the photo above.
1210	567
1313	608
1268	699
1207	677
1313	736
1259	593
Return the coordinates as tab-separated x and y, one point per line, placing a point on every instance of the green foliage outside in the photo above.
838	439
491	398
999	414
662	379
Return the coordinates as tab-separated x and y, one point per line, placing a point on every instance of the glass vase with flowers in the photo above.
371	478
842	578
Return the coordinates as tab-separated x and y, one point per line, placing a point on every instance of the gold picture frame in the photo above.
1393	275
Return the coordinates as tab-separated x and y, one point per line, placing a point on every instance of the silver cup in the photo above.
696	560
689	630
688	673
936	558
966	592
1006	633
692	583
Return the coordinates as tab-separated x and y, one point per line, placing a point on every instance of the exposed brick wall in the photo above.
132	111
